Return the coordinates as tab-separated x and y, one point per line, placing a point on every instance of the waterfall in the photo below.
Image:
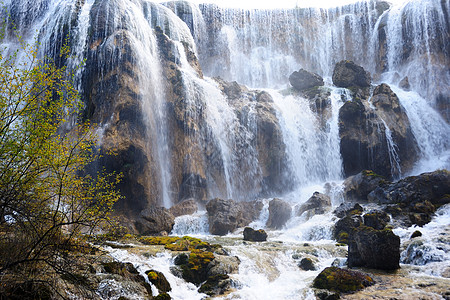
311	145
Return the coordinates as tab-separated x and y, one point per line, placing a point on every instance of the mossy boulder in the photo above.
195	266
348	209
345	227
342	280
376	219
254	235
159	280
376	249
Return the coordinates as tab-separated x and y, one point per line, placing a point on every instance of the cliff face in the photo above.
178	134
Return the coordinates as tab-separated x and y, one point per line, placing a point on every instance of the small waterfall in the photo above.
394	160
310	145
431	131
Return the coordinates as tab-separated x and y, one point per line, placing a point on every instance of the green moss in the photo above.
343	237
158	240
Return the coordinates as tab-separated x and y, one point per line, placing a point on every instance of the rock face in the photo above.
254	235
303	80
376	219
376	249
225	216
368	135
155	220
186	207
279	213
316	205
346	74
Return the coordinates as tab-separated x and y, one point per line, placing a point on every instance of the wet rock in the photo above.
413	200
216	285
254	235
318	204
279	213
194	266
415	234
376	219
186	207
365	131
342	280
159	280
345	227
303	80
346	74
376	249
227	215
223	264
306	264
359	186
154	220
348	209
326	295
404	84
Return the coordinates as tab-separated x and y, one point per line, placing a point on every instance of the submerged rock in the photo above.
303	80
342	280
376	249
279	213
254	235
346	74
318	204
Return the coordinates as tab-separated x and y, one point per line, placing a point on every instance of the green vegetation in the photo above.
49	201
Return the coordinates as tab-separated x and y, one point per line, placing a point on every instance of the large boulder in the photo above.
346	74
279	213
303	80
186	207
225	216
159	280
254	235
316	205
155	220
359	186
348	209
376	249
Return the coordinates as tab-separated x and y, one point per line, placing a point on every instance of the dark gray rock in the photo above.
303	80
254	235
348	209
346	74
359	186
376	219
376	249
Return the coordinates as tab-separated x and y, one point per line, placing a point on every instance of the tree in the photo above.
48	200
